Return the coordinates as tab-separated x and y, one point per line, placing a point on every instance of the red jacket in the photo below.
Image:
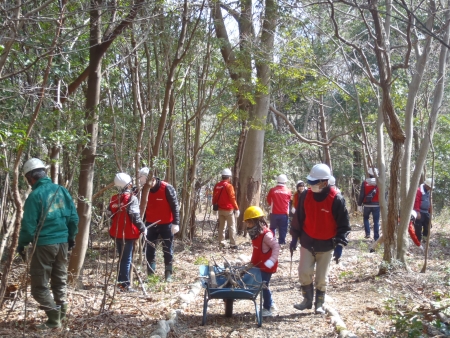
319	222
121	225
224	196
279	197
259	257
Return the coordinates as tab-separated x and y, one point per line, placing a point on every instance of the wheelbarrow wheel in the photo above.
229	307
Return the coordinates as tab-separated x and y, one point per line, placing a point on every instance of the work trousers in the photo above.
125	249
266	293
153	233
421	225
49	263
375	211
321	262
228	217
280	222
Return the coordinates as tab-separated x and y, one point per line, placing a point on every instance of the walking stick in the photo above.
140	280
290	269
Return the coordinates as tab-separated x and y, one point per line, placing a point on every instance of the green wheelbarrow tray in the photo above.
251	286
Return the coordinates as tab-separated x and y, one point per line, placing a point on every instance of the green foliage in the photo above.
201	261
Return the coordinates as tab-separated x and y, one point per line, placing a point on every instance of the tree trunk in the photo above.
87	163
426	141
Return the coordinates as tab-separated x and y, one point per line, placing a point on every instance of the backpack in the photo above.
370	195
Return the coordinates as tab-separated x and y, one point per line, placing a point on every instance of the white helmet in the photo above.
319	172
226	172
332	180
31	164
370	171
143	174
282	178
121	180
429	182
413	214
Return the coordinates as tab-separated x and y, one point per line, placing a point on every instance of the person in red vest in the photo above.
278	198
422	206
126	226
224	197
265	252
162	207
369	197
322	225
300	188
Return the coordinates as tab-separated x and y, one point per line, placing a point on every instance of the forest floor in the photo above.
396	304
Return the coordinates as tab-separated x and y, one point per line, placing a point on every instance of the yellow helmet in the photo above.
253	212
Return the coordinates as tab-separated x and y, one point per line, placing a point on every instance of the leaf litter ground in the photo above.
370	305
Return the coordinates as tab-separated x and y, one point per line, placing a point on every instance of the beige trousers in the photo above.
306	268
227	216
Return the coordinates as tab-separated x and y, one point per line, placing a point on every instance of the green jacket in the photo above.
61	220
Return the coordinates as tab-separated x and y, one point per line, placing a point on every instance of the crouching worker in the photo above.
126	226
265	252
50	222
322	225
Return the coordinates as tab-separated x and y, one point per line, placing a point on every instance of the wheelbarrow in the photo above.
251	286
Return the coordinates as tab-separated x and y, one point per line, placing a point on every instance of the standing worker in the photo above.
368	197
300	188
278	198
227	208
322	225
265	253
332	183
50	222
422	206
162	207
126	226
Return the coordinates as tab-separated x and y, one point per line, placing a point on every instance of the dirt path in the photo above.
368	304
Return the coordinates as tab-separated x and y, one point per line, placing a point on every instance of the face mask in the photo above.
253	232
316	188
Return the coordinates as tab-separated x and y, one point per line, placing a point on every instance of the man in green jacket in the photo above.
50	222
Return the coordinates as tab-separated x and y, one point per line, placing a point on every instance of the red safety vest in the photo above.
158	208
259	257
368	188
223	201
319	222
122	226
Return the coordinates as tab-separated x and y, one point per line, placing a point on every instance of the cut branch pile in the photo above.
233	275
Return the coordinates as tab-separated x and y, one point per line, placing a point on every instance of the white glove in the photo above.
237	213
269	264
360	209
421	247
145	232
293	210
215	212
175	228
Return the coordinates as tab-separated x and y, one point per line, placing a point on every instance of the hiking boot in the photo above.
367	236
266	313
168	273
308	295
151	269
234	247
320	299
53	321
424	239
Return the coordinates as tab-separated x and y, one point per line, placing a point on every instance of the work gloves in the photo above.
71	244
175	228
337	253
293	210
269	264
144	233
22	253
237	213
